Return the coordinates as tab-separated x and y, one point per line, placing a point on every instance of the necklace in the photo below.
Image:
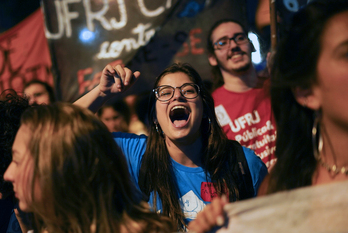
333	169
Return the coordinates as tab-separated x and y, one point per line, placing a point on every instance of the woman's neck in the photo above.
335	146
189	155
334	152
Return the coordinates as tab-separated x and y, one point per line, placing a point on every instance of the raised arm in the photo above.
114	80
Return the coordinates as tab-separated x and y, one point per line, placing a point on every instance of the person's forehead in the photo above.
34	88
175	79
226	29
109	111
335	31
22	139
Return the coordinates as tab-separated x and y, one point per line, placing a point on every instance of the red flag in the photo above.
24	54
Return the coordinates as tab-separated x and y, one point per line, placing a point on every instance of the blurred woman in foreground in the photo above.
309	98
67	170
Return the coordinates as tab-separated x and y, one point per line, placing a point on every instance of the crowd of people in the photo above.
79	167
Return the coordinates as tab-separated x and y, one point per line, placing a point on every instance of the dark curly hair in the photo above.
11	108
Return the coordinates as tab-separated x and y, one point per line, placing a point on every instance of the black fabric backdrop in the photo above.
179	29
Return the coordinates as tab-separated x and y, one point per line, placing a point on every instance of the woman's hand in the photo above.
212	216
113	80
116	79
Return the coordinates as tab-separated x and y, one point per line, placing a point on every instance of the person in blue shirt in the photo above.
186	160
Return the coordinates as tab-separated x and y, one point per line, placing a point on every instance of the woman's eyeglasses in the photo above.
166	92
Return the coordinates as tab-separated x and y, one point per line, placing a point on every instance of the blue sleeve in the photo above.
257	168
133	147
13	225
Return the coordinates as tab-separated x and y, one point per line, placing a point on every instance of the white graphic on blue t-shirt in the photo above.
191	204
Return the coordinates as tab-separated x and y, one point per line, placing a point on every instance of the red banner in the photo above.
24	54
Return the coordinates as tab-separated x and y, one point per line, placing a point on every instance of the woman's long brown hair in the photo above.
218	158
83	176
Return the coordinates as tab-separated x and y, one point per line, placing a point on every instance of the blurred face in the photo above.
21	168
233	58
332	72
179	118
113	120
37	94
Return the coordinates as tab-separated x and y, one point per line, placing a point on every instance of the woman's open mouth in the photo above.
179	115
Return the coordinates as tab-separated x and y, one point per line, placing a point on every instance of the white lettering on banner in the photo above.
114	49
69	15
64	16
113	24
58	35
154	13
239	123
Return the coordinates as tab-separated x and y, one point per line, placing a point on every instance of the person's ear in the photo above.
307	97
212	60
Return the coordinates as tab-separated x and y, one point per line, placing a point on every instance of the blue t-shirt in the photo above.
192	181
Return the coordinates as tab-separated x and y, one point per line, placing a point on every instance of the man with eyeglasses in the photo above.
242	103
